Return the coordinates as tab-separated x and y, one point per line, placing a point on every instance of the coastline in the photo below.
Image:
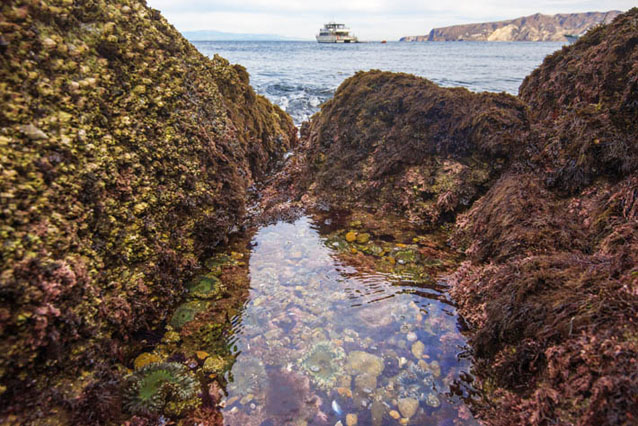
129	159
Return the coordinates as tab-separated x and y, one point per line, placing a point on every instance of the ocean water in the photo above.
300	76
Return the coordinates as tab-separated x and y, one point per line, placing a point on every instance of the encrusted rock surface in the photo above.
125	155
400	143
541	192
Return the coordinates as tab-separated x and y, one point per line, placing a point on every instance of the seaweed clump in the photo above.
400	143
551	284
160	387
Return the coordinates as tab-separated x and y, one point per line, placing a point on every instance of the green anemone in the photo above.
323	362
148	390
206	287
186	312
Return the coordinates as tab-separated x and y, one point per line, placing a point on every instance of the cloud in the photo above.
371	19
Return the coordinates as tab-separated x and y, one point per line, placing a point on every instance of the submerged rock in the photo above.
408	407
360	362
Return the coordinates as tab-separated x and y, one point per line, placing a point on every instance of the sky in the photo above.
368	19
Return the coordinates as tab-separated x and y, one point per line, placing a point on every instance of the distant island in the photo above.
211	35
536	27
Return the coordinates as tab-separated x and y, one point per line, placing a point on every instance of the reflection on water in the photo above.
319	341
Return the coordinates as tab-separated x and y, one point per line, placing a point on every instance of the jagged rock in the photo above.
126	155
404	144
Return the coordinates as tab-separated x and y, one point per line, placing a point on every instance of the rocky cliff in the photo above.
536	27
540	192
125	156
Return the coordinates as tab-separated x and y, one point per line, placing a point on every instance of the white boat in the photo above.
336	33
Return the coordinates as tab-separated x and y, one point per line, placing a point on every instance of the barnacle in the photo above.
148	390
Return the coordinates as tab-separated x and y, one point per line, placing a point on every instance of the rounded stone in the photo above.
408	407
351	420
360	362
418	348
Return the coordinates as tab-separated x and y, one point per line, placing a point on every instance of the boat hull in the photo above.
336	39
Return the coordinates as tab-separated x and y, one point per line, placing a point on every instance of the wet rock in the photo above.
134	185
432	400
365	383
408	407
383	162
377	411
359	362
351	420
417	349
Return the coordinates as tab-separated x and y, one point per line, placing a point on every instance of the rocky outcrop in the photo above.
536	27
550	284
125	155
403	144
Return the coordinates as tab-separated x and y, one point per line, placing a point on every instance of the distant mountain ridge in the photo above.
211	35
536	27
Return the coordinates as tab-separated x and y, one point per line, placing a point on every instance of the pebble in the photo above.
351	236
411	336
408	406
351	420
417	349
395	414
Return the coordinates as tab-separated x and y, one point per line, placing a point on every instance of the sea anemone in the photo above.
323	362
148	390
206	287
186	312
